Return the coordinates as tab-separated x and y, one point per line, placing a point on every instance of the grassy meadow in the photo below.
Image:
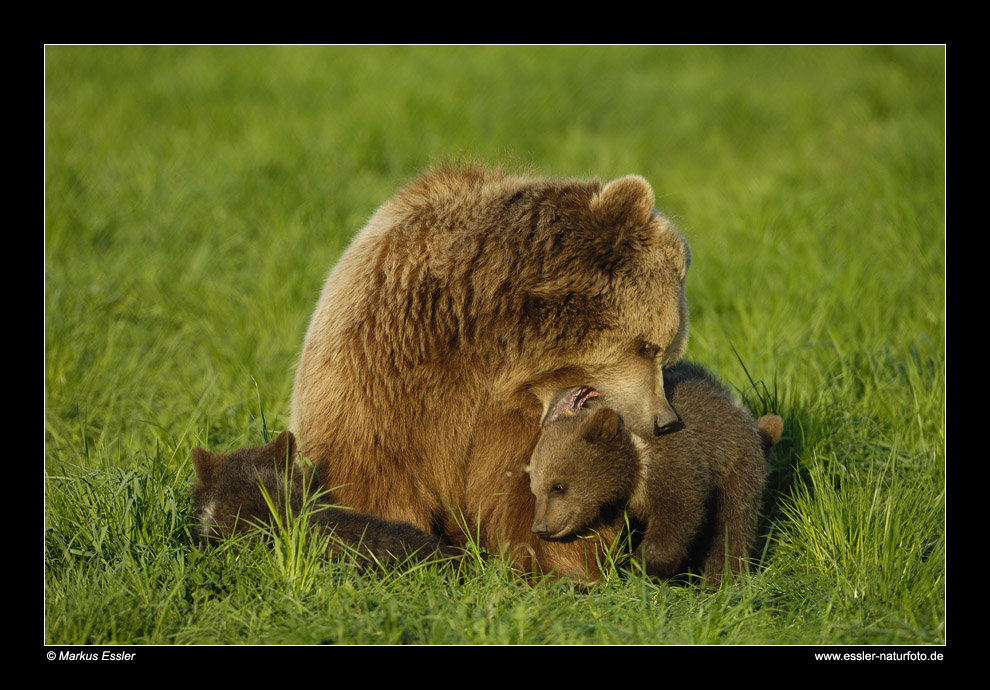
196	197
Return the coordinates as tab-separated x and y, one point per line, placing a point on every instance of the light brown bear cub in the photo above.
228	500
697	489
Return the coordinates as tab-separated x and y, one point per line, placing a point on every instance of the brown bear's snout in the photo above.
666	420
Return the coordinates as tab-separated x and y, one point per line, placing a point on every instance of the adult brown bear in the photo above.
441	336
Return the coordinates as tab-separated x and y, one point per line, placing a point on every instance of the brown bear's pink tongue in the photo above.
569	401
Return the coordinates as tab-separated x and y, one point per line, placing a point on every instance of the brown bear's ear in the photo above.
624	206
622	213
205	464
626	201
604	425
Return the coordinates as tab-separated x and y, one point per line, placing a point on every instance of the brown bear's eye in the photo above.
649	350
557	489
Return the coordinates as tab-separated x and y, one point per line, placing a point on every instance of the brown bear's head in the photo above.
624	317
584	463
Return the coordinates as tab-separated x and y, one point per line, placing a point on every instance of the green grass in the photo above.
196	198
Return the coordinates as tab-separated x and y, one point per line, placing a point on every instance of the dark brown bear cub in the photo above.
228	500
697	489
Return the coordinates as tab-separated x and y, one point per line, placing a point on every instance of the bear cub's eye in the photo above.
558	488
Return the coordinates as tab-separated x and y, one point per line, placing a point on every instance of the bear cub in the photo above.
228	500
696	489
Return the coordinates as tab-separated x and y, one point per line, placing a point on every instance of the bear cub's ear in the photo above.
206	464
771	428
604	425
625	203
281	448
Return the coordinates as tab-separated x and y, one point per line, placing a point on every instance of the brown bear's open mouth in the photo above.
569	401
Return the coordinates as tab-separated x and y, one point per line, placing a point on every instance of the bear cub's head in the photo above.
226	496
584	463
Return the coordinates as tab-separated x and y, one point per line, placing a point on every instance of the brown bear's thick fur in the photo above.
227	500
697	489
466	303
